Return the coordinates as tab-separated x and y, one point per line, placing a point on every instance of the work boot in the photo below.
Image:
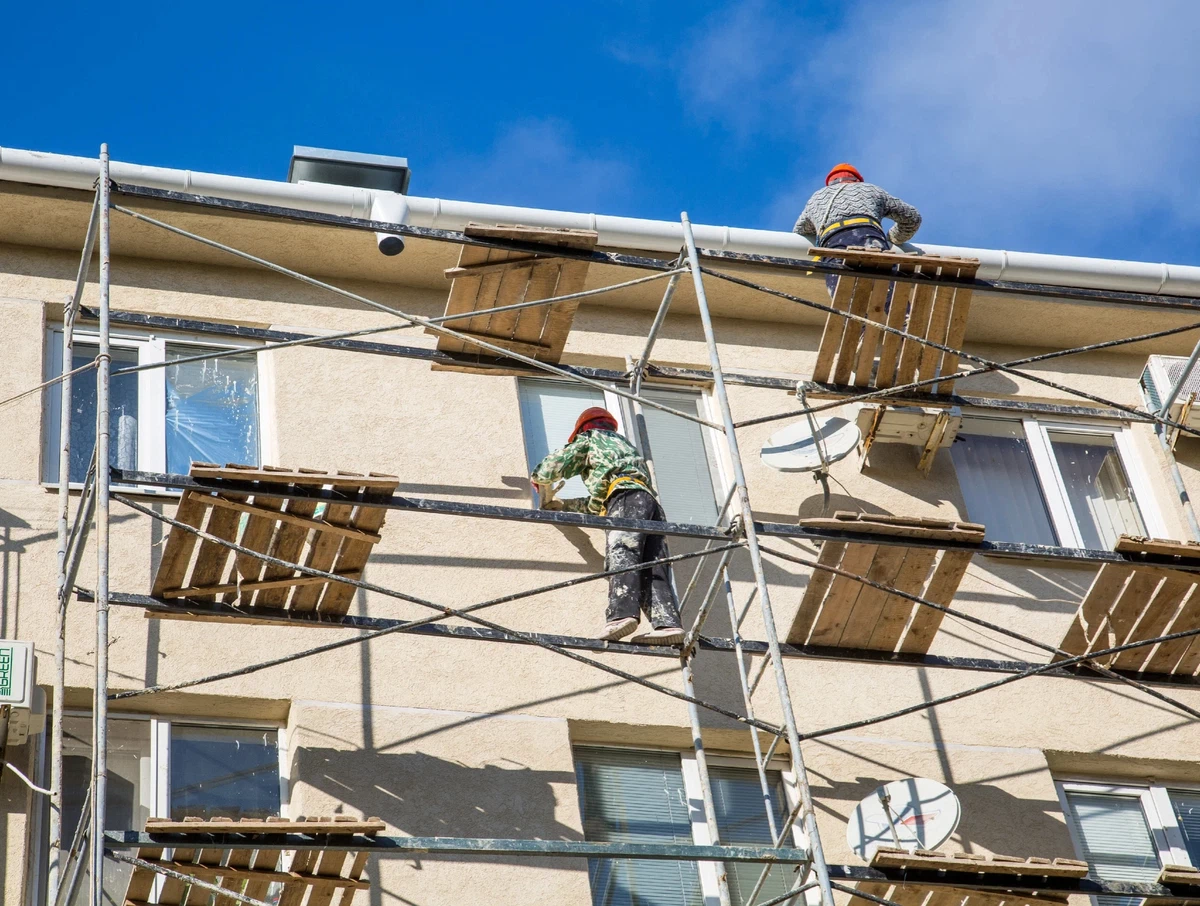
618	629
666	635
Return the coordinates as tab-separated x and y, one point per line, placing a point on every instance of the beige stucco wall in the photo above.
470	738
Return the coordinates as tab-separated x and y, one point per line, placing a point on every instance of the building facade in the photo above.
452	736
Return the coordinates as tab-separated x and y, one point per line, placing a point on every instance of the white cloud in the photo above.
537	163
1006	121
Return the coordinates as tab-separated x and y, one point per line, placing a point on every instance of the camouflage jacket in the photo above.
856	199
599	458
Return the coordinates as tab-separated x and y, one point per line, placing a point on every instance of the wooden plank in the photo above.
941	589
854	329
514	287
239	861
211	558
330	865
301	862
842	595
516	263
354	873
814	593
835	327
292	517
323	550
243	587
939	322
141	882
869	344
571	279
1010	865
1129	544
257	535
864	615
566	238
1094	609
177	550
1189	661
889	352
895	531
353	555
521	347
1154	620
927	521
875	888
235	871
956	332
265	826
1133	600
917	325
285	476
909	895
1168	654
895	612
872	256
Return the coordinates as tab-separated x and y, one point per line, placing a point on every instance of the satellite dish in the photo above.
923	815
794	450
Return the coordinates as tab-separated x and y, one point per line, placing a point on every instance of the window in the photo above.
1126	833
682	451
1073	485
176	769
163	419
633	796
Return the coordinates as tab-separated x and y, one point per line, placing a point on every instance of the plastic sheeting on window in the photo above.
212	410
123	414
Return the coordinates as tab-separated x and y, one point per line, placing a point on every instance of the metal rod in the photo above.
760	577
1181	491
693	634
760	763
639	367
63	530
706	793
499	351
100	698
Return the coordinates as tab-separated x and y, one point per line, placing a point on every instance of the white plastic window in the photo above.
682	451
1127	833
163	419
1040	482
629	795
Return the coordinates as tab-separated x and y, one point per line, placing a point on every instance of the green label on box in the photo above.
6	671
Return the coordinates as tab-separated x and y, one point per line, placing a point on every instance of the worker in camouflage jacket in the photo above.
849	212
618	485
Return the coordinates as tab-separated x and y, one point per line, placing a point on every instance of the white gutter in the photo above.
40	168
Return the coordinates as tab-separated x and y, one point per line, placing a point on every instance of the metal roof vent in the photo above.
348	168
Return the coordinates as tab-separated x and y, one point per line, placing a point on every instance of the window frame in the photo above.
1155	800
151	348
625	411
709	871
1037	432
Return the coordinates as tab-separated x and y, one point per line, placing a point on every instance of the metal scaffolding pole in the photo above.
100	699
808	813
64	536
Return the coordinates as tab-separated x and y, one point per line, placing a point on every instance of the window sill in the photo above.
76	488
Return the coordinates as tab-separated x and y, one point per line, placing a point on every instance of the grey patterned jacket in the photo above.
830	204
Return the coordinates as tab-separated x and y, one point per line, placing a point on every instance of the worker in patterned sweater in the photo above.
618	484
849	212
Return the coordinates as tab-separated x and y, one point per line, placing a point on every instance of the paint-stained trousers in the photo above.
648	590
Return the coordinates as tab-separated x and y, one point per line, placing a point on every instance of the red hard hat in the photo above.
594	414
848	169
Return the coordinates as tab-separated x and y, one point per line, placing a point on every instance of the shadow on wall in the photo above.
1053	589
426	796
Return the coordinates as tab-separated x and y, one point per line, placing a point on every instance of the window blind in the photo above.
683	463
1186	806
636	797
548	413
742	818
1116	840
999	486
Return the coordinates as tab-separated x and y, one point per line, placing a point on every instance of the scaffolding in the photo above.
860	328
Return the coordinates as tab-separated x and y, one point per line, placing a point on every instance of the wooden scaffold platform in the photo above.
853	356
331	537
1131	601
309	877
840	612
490	278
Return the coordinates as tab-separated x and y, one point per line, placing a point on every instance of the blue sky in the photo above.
1061	126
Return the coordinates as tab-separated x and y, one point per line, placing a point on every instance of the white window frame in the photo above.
624	411
1155	800
708	871
152	394
1062	517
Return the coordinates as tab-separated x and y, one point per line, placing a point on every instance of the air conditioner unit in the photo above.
1159	376
19	692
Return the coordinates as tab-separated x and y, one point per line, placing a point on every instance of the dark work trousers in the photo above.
646	589
866	236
